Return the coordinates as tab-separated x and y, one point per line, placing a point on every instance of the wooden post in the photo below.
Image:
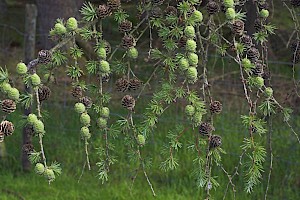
29	49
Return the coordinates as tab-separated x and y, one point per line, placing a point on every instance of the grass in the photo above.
62	143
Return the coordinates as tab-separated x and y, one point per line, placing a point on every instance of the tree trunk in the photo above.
29	43
49	11
251	16
3	7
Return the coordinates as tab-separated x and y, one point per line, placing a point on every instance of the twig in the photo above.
40	134
234	173
82	171
230	181
87	153
140	156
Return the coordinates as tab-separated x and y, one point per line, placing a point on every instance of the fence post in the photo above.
29	53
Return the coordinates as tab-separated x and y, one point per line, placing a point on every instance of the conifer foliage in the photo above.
189	31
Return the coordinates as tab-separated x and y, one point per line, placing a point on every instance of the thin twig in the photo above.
86	144
140	156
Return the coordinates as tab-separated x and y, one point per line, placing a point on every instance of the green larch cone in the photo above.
13	94
141	140
258	82
72	24
269	92
246	63
192	74
31	119
35	79
39	127
264	13
197	118
230	13
85	119
104	67
193	59
39	168
189	32
101	122
189	110
191	45
5	87
104	112
183	64
49	174
229	3
79	108
132	53
21	68
85	132
102	53
60	29
197	16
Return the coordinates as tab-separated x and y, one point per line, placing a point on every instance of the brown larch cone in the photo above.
44	56
171	10
253	54
128	41
246	40
238	27
295	46
8	106
105	78
87	101
128	102
295	3
44	92
215	107
77	92
7	128
134	84
215	141
295	57
258	69
122	84
103	11
28	148
156	12
258	25
205	128
114	4
125	26
212	7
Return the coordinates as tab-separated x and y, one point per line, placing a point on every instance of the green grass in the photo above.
62	143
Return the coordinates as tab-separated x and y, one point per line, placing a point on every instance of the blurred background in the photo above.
63	143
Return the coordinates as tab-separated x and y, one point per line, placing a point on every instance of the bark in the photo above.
251	16
49	11
29	43
3	7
